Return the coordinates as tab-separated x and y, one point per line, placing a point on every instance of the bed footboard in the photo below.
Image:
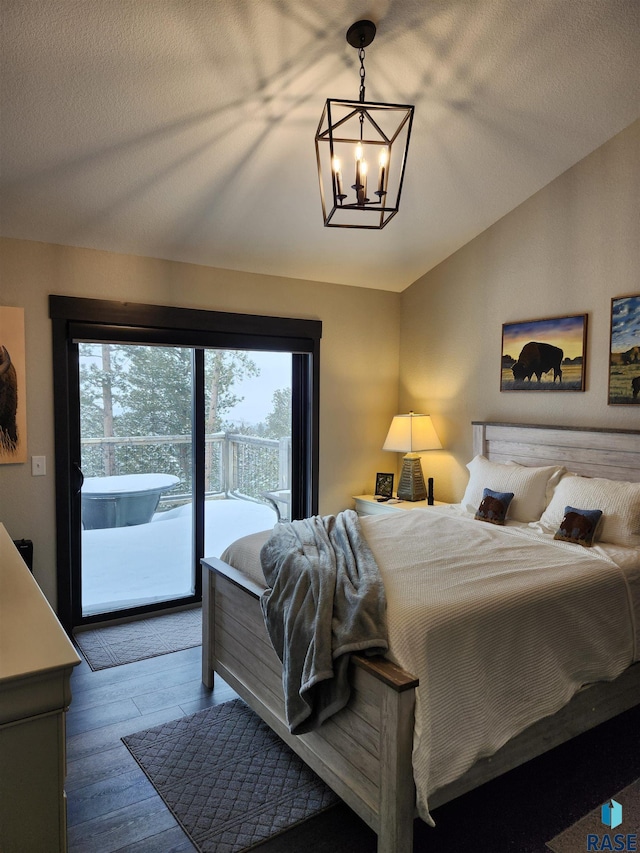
363	753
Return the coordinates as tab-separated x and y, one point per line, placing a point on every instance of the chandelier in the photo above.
363	146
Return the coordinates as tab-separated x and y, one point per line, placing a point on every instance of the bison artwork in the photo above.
8	402
537	358
635	386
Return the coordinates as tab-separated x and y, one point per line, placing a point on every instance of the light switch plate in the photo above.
38	466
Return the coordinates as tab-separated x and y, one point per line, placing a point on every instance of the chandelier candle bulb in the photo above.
383	163
358	184
338	174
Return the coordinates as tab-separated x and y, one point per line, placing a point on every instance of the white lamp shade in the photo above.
411	433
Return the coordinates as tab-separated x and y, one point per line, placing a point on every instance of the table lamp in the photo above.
410	434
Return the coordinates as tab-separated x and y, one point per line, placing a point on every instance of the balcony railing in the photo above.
243	466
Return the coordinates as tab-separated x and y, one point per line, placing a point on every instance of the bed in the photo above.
367	751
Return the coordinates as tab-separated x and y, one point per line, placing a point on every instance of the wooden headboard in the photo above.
610	453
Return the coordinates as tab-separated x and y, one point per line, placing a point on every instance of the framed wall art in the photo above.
624	352
13	417
544	355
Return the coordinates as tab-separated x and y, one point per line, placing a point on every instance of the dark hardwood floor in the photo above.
111	806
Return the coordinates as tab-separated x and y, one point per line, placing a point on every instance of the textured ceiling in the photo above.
184	129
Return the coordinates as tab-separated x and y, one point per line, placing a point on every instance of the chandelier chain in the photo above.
362	73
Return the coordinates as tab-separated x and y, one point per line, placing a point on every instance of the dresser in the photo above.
368	505
36	661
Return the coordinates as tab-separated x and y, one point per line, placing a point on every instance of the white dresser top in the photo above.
32	641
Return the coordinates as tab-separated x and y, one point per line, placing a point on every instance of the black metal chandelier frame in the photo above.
359	124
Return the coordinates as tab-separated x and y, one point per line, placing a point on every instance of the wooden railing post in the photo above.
230	471
284	462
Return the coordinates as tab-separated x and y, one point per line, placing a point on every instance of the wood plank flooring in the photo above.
111	805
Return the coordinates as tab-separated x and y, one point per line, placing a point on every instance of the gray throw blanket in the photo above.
326	599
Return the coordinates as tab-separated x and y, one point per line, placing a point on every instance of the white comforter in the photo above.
501	625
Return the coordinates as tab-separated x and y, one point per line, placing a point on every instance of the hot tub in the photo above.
123	500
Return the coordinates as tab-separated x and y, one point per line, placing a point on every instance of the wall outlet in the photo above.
38	466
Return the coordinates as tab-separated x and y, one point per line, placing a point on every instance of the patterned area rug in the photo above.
574	839
229	781
144	638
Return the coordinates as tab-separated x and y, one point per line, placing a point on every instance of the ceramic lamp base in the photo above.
411	486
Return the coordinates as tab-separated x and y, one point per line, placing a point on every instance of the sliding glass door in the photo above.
176	432
137	462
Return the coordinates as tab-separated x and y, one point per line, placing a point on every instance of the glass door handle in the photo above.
77	478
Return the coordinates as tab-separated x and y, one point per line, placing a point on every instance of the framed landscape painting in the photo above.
624	355
544	355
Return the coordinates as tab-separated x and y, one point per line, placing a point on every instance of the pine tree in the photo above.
135	390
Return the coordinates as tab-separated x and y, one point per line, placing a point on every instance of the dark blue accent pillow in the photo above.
493	506
579	526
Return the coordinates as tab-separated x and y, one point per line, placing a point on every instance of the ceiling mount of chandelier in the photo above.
361	150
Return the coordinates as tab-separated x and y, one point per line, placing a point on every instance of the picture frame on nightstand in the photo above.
384	486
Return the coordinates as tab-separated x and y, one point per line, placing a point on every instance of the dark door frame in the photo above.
80	319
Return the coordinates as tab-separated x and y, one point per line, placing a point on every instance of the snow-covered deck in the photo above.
128	566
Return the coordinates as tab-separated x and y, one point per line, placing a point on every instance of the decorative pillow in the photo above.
493	506
579	526
531	486
619	502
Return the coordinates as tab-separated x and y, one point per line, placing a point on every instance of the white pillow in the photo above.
618	500
531	487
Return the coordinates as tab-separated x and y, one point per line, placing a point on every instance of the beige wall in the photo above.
567	250
359	363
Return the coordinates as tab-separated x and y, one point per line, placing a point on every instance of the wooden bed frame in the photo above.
364	752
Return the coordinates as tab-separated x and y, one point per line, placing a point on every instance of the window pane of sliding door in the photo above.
247	443
136	405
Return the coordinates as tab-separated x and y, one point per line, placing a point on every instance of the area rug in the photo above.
574	839
229	781
144	638
515	813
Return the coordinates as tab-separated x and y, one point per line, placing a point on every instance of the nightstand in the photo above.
367	505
